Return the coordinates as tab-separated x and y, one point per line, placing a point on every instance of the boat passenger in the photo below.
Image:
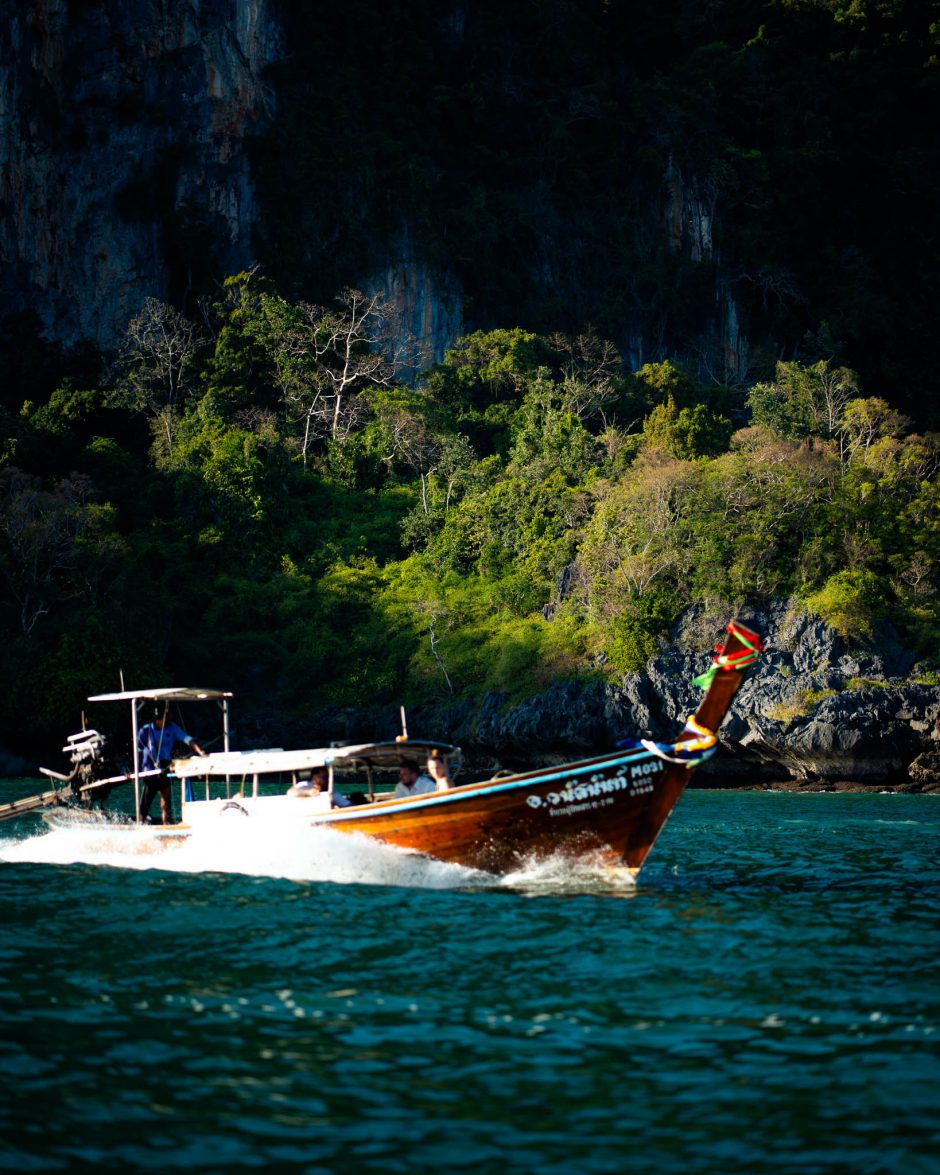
411	782
315	785
438	771
310	783
156	742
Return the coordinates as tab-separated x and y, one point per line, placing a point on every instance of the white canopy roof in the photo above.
378	756
173	693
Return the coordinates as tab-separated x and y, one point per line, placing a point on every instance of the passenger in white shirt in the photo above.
411	782
316	785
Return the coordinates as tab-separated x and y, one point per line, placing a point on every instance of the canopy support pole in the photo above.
136	762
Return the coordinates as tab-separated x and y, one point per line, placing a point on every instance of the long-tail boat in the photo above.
608	809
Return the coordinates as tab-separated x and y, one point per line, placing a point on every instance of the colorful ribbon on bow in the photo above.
692	751
753	647
689	752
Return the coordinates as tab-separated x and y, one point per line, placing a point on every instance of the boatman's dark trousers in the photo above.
157	783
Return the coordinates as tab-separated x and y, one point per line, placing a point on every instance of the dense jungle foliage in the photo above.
257	501
265	493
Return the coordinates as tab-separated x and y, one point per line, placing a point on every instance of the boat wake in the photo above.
319	854
305	855
560	875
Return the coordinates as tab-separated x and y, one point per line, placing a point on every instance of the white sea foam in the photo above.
559	872
301	854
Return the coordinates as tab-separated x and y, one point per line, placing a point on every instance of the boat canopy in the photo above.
362	756
173	693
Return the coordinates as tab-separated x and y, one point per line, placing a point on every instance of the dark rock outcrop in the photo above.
925	771
129	169
814	711
125	160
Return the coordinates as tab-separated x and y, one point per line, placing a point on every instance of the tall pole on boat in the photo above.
136	762
225	744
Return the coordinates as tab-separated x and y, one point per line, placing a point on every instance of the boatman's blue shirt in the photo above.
157	743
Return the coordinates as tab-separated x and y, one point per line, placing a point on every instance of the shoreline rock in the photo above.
814	713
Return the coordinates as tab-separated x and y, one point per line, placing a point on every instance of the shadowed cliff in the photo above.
712	185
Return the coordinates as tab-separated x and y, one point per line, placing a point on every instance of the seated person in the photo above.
311	783
317	784
411	782
339	800
438	771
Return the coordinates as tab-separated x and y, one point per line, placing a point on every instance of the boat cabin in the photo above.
358	773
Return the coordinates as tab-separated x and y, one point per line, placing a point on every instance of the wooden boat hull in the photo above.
610	809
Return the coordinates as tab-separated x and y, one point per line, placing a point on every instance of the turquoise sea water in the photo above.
767	998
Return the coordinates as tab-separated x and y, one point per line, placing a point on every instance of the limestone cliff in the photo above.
425	305
124	163
122	138
126	156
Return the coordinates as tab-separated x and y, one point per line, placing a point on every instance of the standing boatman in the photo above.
156	741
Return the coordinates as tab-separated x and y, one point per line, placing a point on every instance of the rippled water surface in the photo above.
767	998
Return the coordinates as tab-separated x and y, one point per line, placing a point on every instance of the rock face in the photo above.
125	173
813	712
817	710
425	305
123	137
124	159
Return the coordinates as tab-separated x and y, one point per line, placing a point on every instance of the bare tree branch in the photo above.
155	368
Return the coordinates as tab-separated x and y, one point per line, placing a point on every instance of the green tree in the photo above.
240	373
638	536
850	602
482	379
666	381
546	434
413	430
865	422
760	510
803	400
686	433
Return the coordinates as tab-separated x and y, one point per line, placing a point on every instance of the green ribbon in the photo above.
704	680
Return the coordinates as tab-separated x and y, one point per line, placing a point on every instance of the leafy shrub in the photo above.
859	683
850	602
803	703
686	433
630	644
